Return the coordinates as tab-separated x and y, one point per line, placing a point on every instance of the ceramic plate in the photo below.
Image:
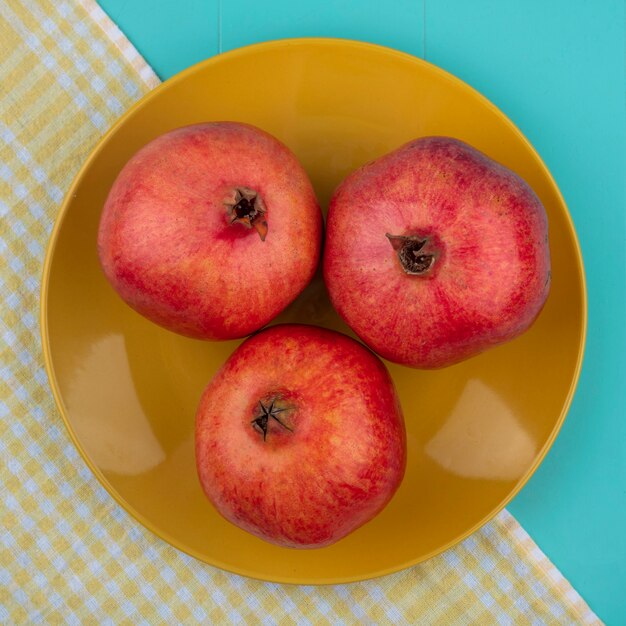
128	390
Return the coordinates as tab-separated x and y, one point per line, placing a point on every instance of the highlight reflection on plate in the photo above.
126	446
477	443
128	390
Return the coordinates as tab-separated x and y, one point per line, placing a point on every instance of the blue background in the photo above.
557	69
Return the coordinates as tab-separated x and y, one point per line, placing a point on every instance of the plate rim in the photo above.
60	219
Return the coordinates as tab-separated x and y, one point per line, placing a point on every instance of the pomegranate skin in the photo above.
482	235
171	244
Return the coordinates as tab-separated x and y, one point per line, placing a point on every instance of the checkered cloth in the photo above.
68	552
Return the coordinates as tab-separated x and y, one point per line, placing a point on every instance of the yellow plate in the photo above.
128	390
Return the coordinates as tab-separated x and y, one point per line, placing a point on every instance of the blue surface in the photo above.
558	71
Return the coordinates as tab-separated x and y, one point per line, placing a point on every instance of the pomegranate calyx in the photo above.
245	206
260	422
416	254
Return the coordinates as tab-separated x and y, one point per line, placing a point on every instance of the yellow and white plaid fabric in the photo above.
68	553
